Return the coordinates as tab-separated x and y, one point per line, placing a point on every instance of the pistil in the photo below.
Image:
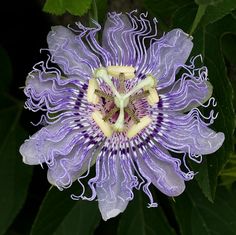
119	124
121	99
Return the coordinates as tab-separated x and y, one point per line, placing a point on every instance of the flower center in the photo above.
121	100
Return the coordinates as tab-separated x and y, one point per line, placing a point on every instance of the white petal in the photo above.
47	143
162	170
184	96
110	209
68	53
117	38
112	193
27	150
66	169
189	134
172	51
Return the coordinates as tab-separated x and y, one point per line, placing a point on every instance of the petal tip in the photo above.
221	137
111	214
28	156
177	190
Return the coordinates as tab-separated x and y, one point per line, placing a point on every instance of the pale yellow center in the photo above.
120	99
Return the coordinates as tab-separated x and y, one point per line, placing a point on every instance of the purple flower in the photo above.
122	106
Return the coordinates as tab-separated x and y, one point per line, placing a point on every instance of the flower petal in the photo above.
47	91
186	95
187	133
168	54
161	169
110	209
70	52
36	147
66	169
114	181
48	143
115	38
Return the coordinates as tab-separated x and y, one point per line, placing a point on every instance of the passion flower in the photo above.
122	106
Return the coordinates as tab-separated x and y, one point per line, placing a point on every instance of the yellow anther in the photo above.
136	128
104	126
152	82
153	97
115	71
91	96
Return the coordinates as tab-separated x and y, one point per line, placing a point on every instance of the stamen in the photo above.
136	128
110	113
91	96
115	71
104	95
104	126
122	82
132	115
153	82
139	96
147	83
153	97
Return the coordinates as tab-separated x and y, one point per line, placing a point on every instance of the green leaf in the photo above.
200	12
140	220
54	7
196	215
60	215
80	220
15	176
77	7
207	2
206	14
229	47
93	15
164	9
184	16
228	175
74	7
218	11
102	7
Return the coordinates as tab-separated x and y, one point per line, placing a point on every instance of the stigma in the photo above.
122	114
